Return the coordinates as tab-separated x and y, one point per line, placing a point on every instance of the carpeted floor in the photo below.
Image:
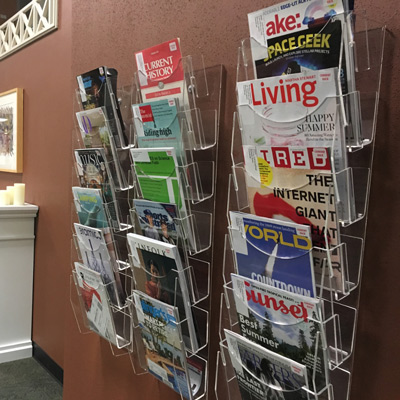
27	380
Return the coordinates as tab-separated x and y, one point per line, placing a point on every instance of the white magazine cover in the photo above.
100	256
297	109
95	301
159	273
286	323
263	374
164	346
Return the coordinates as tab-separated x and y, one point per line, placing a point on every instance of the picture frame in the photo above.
11	131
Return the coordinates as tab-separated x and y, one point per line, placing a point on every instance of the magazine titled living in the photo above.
263	374
275	252
286	323
159	273
95	301
297	110
296	184
164	346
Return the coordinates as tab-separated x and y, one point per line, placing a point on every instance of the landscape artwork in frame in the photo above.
11	130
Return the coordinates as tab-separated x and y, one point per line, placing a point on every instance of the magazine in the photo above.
164	347
100	256
95	301
263	374
158	176
296	184
157	125
96	133
274	252
157	220
292	37
161	73
159	273
93	172
286	323
98	88
309	99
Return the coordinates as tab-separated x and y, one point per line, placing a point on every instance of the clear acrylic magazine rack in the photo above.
358	109
198	111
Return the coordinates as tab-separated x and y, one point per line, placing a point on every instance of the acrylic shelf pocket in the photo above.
111	322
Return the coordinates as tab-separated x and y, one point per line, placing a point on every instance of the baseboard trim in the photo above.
48	363
15	351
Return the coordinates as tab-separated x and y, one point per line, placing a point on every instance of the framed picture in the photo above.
11	130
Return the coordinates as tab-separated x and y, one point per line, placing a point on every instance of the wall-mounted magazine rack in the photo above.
364	51
183	371
118	333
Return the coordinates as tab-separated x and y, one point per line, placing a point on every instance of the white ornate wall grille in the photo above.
36	19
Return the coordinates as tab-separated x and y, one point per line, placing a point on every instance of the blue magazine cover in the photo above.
274	252
157	220
157	125
164	346
90	207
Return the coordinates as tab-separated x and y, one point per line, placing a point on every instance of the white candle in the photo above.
19	194
10	190
4	198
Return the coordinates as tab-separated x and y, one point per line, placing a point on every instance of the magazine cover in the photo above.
265	104
295	184
100	256
157	125
286	323
159	273
294	37
160	72
90	207
298	110
263	374
157	220
93	172
96	132
158	176
98	88
275	252
94	296
164	347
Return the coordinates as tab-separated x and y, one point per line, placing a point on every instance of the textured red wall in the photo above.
43	70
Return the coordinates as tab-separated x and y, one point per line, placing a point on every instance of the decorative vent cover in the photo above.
36	19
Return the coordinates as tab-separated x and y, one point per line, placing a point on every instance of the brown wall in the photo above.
107	33
43	71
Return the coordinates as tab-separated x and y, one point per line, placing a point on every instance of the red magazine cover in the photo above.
160	71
